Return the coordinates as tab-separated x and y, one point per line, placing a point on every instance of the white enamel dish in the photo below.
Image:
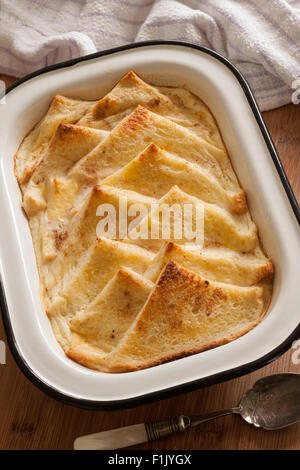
272	204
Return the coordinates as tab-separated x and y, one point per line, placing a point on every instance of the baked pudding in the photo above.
119	301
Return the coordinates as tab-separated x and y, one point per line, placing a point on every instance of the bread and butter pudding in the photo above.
124	303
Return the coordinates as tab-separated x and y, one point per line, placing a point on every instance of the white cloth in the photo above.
260	37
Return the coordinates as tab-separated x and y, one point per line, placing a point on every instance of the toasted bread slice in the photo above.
219	227
105	321
84	228
167	170
142	127
62	109
49	195
199	118
63	245
215	264
97	266
68	145
191	315
176	104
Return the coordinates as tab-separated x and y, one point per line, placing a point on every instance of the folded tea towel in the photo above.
260	38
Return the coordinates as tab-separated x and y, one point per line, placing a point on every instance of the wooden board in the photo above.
31	420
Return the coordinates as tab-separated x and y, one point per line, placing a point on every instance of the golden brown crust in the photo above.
240	202
218	264
191	178
184	305
85	355
135	120
29	153
172	357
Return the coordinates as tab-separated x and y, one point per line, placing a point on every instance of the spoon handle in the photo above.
199	419
143	432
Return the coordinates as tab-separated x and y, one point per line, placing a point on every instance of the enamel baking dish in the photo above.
272	204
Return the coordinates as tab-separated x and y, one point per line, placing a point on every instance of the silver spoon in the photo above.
272	403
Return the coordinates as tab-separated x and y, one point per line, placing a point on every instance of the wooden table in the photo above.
31	420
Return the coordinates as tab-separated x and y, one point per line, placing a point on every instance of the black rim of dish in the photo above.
188	386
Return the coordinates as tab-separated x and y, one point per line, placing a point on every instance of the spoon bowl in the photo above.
273	402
